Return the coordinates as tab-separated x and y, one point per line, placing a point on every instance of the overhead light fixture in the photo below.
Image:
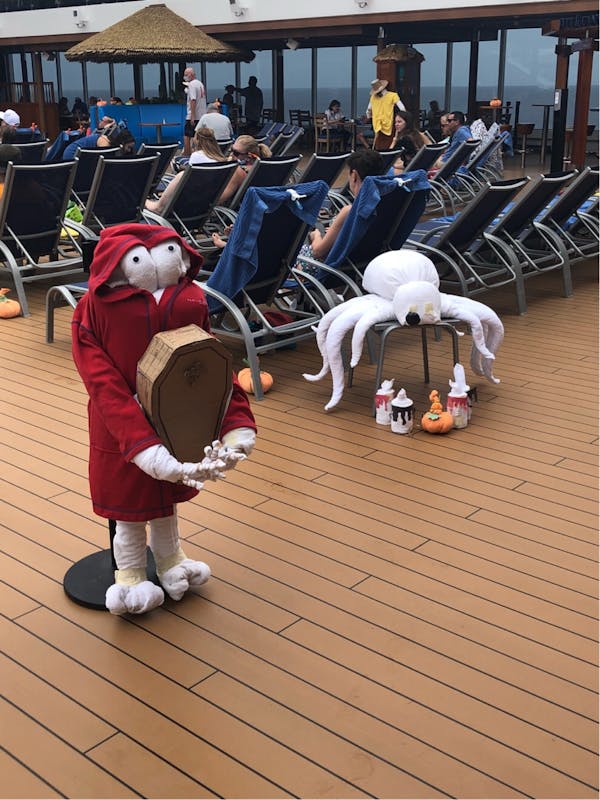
292	44
361	3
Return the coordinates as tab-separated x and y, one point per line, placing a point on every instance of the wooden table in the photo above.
158	126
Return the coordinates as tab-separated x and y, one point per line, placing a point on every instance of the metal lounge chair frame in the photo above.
516	229
278	241
118	192
555	220
322	167
443	192
165	152
33	152
275	171
87	161
192	207
343	197
384	225
32	210
286	140
455	247
426	157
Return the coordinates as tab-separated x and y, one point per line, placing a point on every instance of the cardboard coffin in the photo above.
184	384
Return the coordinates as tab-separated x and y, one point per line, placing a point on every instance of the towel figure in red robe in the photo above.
142	282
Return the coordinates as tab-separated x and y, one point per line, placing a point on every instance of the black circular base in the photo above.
86	581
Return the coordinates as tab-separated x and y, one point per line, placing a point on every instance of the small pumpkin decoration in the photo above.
436	420
495	102
8	308
244	377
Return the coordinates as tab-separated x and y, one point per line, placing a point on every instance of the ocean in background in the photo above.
301	98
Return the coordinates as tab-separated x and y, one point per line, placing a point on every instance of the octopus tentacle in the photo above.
322	330
380	310
338	329
486	328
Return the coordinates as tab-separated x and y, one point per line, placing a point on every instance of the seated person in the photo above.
407	138
365	134
205	147
335	120
103	136
218	122
244	150
125	141
360	164
458	131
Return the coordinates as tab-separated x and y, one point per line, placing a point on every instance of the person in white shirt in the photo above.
219	123
196	106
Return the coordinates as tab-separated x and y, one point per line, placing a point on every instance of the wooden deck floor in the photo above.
407	617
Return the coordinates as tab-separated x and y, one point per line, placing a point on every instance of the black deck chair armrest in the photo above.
155	219
338	274
228	213
82	230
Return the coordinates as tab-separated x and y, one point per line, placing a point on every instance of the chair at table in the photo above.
523	130
32	210
327	138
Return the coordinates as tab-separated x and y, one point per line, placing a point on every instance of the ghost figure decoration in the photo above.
142	282
402	285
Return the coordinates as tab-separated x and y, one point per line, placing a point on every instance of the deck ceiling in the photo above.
403	27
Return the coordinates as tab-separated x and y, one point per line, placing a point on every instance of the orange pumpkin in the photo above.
244	377
495	102
436	420
8	308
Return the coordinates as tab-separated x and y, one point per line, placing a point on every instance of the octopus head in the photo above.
417	303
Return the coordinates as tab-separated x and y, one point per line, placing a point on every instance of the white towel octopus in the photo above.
403	286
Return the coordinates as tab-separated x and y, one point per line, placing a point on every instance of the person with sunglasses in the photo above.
245	150
458	131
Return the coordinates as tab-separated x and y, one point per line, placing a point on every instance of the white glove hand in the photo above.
157	462
241	440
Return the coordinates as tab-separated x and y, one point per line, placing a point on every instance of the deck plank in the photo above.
409	617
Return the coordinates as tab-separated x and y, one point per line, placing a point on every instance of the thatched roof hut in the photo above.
151	35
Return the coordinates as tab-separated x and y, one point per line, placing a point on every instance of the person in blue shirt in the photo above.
458	131
102	137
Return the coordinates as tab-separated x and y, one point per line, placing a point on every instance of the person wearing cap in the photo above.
9	119
381	113
219	123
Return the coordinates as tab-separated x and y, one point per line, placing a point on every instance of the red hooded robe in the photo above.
112	327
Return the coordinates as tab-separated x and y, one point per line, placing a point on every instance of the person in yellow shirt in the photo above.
380	111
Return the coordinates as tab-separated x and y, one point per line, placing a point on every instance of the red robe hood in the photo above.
117	240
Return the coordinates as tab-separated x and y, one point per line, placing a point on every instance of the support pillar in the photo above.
585	49
563	51
472	110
